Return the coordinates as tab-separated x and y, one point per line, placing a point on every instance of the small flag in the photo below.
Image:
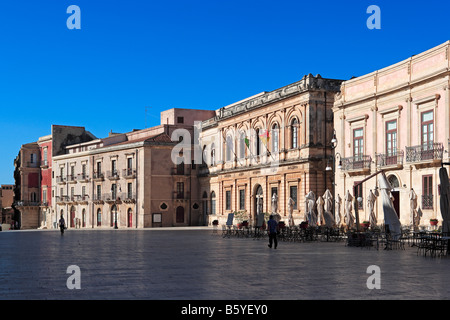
247	142
264	137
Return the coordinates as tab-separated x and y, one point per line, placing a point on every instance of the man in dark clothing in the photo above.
62	224
272	226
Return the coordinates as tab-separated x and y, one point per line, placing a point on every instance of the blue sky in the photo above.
129	55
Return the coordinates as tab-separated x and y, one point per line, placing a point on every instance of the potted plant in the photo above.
366	224
433	222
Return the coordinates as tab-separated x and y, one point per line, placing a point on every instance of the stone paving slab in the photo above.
195	264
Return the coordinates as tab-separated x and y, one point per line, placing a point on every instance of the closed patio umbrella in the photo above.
445	199
390	216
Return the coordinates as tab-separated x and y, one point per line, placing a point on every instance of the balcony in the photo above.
129	173
426	155
129	197
44	164
27	203
113	197
357	165
61	180
82	177
98	199
113	175
62	199
71	179
98	176
394	160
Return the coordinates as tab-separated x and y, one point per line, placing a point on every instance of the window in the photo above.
213	155
242	145
180	190
242	199
32	158
129	165
99	169
99	192
180	119
113	191
44	196
294	133
427	129
391	138
275	138
83	192
427	196
229	148
293	195
45	156
130	191
358	143
258	143
228	200
113	168
213	202
72	193
83	170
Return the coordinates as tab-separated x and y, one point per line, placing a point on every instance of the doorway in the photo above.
395	184
72	217
180	215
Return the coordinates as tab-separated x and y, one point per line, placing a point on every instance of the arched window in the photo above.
213	155
294	133
258	143
229	148
213	202
275	138
242	145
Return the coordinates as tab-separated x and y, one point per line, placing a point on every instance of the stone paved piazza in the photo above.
180	264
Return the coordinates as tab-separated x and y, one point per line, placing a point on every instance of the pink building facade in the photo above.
396	119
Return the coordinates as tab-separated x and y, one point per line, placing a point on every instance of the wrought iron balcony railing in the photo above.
98	175
396	158
356	163
129	173
430	151
113	174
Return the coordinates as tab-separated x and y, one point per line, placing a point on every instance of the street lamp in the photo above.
114	196
334	143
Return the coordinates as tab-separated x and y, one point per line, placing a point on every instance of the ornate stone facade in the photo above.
274	142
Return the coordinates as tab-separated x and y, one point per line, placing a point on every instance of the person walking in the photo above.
272	229
62	224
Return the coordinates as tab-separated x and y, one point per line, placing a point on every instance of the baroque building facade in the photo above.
396	119
272	143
